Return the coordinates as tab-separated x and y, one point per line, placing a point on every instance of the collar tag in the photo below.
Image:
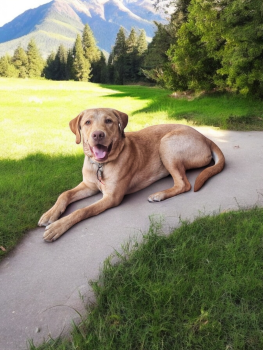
99	170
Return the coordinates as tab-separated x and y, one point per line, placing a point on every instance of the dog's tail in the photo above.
212	170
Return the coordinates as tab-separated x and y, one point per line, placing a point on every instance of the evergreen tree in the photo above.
90	49
70	60
61	64
119	57
235	38
156	58
156	65
131	67
35	61
56	68
7	69
142	47
190	65
81	68
20	61
142	44
110	69
99	70
49	70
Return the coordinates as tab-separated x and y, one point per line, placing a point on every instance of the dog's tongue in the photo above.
100	151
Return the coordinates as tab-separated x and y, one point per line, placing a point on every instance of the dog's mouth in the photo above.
101	152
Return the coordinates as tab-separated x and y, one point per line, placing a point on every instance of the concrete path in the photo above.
41	284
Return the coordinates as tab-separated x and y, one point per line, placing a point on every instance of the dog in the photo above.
118	163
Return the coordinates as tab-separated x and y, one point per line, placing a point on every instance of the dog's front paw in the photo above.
49	217
54	231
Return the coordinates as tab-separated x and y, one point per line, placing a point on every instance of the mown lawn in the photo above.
39	158
199	288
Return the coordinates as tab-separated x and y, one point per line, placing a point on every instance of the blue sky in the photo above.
12	8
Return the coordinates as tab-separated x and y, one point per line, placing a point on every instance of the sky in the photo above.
9	9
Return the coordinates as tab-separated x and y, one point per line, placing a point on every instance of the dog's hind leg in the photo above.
181	183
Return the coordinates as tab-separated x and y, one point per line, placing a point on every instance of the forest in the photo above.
206	46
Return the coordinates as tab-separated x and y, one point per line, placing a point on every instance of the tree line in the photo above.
84	62
206	45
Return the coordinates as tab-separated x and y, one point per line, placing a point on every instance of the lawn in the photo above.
39	158
199	288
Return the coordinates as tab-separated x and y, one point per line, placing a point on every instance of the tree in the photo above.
20	61
242	53
217	43
91	53
119	57
90	49
7	69
99	70
49	70
61	64
70	60
35	61
142	44
56	68
131	68
156	59
142	47
190	64
81	68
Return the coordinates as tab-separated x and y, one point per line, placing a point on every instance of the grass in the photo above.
39	158
198	288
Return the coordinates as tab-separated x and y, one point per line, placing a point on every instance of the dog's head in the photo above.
102	130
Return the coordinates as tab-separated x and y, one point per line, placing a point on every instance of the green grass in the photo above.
198	288
39	158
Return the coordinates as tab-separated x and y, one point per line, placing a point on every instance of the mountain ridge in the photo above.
59	22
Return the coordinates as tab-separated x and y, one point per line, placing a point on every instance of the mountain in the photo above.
59	22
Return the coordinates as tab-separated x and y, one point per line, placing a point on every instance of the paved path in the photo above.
41	283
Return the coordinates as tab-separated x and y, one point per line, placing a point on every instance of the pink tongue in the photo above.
99	151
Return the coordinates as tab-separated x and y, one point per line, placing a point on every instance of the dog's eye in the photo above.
108	121
88	122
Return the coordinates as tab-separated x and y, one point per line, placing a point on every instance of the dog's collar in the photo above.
99	170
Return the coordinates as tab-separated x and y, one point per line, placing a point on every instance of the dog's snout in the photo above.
98	135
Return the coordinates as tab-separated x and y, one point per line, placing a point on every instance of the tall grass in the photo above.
39	158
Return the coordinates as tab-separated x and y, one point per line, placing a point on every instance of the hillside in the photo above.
61	20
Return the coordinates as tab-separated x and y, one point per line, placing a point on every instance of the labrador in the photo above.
118	163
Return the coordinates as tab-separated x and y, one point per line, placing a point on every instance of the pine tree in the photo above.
119	57
70	60
35	61
99	70
156	59
61	64
142	43
7	69
110	69
81	66
49	70
90	49
20	61
131	69
156	65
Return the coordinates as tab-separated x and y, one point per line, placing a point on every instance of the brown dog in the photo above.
117	164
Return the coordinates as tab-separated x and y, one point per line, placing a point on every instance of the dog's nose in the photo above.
98	135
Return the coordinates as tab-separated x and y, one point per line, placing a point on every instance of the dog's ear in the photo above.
74	125
123	120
